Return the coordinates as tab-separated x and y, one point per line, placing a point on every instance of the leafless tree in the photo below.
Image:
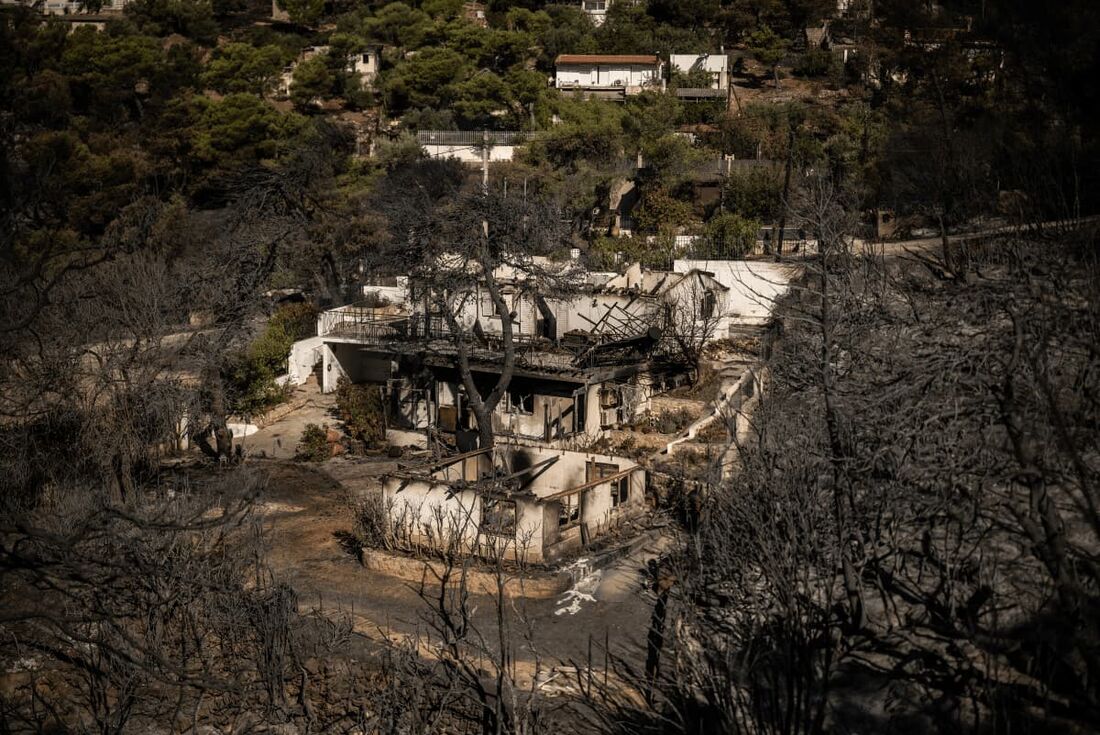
912	521
133	593
456	245
461	667
691	316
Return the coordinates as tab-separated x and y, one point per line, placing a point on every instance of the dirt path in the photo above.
280	439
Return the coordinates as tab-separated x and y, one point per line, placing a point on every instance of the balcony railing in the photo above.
363	323
366	324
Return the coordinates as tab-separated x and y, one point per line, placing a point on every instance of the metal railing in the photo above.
367	325
364	323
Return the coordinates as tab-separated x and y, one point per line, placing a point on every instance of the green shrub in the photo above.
250	375
360	408
313	446
727	235
757	194
814	63
250	386
603	254
298	320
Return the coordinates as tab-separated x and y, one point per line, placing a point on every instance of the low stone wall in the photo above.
279	412
534	584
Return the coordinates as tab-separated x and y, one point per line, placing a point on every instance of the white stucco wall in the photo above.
596	10
529	425
366	64
304	354
349	360
430	513
716	64
579	312
479	308
397	295
468	153
754	286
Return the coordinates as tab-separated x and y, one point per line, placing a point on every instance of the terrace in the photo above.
618	337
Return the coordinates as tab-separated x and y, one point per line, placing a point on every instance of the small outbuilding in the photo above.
522	503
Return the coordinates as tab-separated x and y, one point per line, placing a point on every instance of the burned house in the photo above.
563	386
531	504
586	360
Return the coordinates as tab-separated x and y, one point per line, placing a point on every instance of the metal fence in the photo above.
701	93
472	137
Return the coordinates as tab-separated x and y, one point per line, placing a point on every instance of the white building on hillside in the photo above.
715	65
468	145
596	10
619	74
754	287
366	64
73	7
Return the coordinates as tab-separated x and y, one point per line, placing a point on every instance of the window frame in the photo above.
620	492
709	304
517	407
574	516
486	307
610	398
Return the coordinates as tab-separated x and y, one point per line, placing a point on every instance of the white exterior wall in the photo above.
397	295
694	289
432	516
584	309
522	304
596	10
427	513
754	286
468	154
365	64
605	75
716	64
529	425
71	7
348	360
304	354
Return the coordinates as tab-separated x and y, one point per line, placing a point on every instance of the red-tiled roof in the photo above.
599	59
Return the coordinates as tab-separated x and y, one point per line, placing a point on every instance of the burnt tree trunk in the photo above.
484	406
843	502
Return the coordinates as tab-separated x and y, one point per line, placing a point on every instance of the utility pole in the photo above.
485	175
485	161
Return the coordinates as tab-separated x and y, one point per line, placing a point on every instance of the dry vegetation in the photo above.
911	540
